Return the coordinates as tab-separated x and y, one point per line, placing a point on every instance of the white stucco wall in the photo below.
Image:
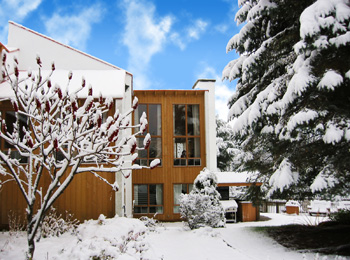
210	122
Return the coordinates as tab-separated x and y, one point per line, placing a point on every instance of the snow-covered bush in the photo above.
116	238
150	223
55	225
202	207
101	219
16	223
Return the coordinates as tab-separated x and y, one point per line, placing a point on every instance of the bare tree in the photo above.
53	133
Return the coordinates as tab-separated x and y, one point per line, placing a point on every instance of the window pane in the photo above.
178	190
193	119
142	162
179	147
11	120
156	194
194	162
16	155
138	113
177	193
140	194
154	119
179	120
155	148
140	210
156	210
181	162
194	147
142	153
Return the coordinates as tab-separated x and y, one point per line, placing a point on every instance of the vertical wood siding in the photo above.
86	198
168	174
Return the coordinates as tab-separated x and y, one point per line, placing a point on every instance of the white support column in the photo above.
123	198
127	185
210	123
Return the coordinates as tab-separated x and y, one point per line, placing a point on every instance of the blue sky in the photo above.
165	44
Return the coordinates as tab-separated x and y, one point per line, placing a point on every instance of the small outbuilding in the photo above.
292	207
230	207
246	211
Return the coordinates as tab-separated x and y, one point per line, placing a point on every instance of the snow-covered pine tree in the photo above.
229	154
53	133
292	101
202	207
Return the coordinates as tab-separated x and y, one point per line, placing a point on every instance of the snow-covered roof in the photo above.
32	43
110	83
234	178
229	204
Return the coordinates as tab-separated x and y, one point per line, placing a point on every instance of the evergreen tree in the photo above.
202	207
229	154
291	107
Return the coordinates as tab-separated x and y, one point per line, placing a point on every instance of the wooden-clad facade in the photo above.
184	138
86	197
170	173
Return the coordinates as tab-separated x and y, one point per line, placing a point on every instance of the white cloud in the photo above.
222	28
178	41
16	10
223	91
74	29
144	35
190	33
197	29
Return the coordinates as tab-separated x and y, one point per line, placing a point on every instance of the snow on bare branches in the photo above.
56	135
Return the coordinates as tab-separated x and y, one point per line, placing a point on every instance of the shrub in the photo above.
16	224
202	207
150	223
55	225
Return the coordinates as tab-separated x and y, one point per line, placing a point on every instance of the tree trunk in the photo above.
31	248
30	235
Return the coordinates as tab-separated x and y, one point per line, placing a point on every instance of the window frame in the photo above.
185	161
4	146
148	205
140	137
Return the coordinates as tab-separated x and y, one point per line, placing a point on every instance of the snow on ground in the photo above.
123	238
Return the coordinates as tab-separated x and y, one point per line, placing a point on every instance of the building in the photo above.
183	137
181	122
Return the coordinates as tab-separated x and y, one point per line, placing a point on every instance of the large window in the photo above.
178	190
154	116
148	198
186	135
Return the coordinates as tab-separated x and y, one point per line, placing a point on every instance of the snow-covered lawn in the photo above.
123	238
